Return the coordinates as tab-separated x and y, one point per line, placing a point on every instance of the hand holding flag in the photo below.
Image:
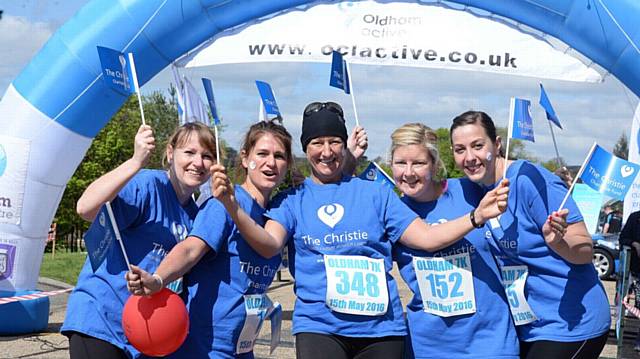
119	72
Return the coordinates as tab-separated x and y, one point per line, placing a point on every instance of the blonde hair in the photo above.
183	133
421	135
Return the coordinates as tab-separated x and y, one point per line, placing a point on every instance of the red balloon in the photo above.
156	325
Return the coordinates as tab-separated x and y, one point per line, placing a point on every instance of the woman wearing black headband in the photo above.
340	230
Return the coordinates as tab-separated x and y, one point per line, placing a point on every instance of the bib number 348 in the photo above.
356	285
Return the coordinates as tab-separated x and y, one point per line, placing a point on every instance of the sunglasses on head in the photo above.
330	106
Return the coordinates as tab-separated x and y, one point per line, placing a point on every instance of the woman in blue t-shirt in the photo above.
457	289
557	301
340	230
154	210
227	280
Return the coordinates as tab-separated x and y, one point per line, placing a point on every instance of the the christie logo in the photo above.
331	214
3	160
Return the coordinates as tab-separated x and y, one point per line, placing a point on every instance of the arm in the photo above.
108	185
422	236
178	262
357	145
268	241
570	241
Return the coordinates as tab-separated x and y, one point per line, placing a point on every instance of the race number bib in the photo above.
446	284
258	307
356	285
513	280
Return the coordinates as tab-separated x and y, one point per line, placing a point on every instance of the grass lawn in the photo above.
64	267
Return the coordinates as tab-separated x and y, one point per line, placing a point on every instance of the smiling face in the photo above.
412	168
326	155
189	164
475	153
266	164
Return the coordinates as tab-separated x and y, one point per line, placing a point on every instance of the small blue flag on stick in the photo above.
100	237
339	73
268	99
521	126
208	89
119	72
548	109
608	174
373	172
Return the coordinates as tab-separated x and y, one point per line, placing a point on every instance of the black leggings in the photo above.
82	346
322	346
546	349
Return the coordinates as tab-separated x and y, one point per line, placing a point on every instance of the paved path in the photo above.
51	345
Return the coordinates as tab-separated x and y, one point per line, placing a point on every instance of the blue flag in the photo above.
548	109
608	174
99	238
208	89
118	70
339	74
268	99
521	126
373	172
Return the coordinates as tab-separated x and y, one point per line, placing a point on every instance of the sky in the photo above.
386	97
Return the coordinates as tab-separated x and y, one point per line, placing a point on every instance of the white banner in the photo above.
402	34
14	154
632	199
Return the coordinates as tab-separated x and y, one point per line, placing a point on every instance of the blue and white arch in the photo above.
59	101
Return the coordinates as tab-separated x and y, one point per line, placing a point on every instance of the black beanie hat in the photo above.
322	122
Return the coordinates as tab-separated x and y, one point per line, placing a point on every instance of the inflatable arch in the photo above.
54	108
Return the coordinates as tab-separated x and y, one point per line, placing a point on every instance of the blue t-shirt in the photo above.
354	218
151	221
218	282
487	333
568	299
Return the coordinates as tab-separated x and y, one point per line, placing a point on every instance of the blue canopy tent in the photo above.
61	93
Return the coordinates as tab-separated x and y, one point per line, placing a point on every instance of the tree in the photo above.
552	164
446	154
621	148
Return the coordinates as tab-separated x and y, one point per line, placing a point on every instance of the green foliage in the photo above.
552	164
446	154
621	148
65	266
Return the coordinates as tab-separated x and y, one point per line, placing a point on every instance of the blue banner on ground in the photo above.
268	99
548	109
99	238
208	89
521	121
339	74
117	70
373	172
608	174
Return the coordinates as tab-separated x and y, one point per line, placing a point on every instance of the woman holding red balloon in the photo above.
154	211
227	279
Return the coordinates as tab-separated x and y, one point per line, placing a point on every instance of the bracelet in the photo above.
472	218
158	279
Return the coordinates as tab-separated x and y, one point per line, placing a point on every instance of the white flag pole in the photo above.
112	218
135	84
586	160
215	131
509	129
353	96
555	145
262	112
